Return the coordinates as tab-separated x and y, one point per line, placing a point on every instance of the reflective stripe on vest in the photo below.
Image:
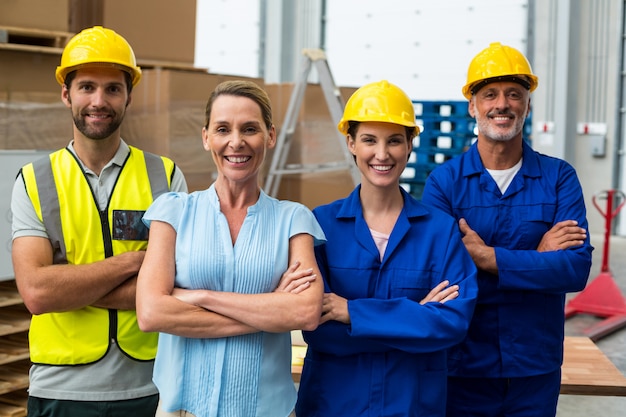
81	234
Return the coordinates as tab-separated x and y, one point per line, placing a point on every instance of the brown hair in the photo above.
241	89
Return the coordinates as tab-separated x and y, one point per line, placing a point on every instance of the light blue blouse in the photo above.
247	375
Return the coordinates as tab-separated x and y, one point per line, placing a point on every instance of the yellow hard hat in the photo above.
499	63
379	102
98	46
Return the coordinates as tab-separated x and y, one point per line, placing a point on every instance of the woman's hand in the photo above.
441	293
335	307
295	281
188	296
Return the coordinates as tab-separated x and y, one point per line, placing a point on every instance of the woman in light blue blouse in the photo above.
229	271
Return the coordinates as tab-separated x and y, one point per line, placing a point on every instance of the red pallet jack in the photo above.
602	297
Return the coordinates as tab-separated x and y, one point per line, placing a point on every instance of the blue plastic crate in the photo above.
449	130
431	109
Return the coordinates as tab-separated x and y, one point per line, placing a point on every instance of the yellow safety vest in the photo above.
81	234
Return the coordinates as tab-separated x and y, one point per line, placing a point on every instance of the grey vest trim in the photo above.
50	210
156	174
49	198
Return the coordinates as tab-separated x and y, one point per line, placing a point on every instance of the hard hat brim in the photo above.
61	72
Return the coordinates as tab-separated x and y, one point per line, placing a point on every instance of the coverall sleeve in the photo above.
558	271
383	324
523	267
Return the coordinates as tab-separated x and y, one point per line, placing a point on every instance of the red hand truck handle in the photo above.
609	194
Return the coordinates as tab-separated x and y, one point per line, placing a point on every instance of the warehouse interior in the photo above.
578	114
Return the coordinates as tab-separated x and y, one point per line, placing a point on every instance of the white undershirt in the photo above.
503	177
381	241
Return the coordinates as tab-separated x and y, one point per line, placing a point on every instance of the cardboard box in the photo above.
165	117
315	141
161	30
158	30
36	14
32	115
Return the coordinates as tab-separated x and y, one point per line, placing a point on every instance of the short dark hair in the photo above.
69	77
353	126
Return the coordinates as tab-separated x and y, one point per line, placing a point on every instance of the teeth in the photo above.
381	167
237	159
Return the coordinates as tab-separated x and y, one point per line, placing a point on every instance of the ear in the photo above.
350	142
65	96
271	141
205	139
471	108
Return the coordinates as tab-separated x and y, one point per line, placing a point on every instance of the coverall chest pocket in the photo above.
536	221
412	284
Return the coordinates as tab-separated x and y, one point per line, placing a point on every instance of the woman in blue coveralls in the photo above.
400	285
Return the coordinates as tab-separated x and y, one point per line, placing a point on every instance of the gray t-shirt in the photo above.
133	379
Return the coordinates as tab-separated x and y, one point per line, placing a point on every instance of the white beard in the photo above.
495	133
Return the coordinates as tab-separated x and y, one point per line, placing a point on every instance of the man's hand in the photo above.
563	235
484	256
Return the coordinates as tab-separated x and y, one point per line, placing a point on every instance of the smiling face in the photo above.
500	109
98	98
381	152
238	138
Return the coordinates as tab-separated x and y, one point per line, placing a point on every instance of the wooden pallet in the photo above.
14	353
14	347
14	319
14	376
34	37
8	410
9	297
14	404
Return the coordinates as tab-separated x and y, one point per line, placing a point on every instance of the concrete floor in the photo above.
613	345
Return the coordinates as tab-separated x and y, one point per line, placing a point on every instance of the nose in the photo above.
501	101
382	152
236	140
98	98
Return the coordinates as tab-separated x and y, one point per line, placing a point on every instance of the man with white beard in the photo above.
523	218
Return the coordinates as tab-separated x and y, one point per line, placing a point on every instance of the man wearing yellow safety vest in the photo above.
78	243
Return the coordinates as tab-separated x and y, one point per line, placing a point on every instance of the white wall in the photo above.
227	36
421	45
10	163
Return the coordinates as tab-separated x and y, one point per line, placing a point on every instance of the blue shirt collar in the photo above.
530	165
351	205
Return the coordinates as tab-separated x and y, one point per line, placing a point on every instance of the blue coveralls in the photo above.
391	360
518	325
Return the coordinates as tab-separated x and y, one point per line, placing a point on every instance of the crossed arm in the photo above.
335	307
562	235
47	288
295	304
